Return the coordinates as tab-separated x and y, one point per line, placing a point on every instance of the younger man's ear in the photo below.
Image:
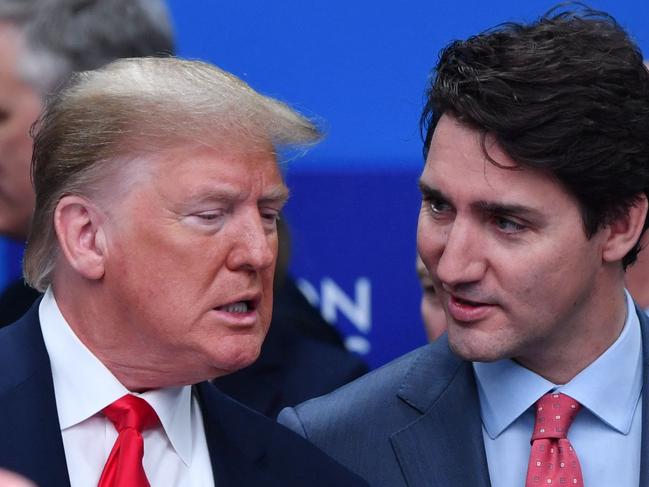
625	231
78	224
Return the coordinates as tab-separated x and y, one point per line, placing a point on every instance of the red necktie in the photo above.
130	415
553	461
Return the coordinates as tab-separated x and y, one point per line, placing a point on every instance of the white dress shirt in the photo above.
606	433
175	453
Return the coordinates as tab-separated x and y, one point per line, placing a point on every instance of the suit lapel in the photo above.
236	444
246	448
450	426
644	449
442	388
31	435
259	386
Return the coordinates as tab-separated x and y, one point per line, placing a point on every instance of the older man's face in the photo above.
20	105
191	256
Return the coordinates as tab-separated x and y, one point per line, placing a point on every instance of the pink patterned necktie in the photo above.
130	415
553	461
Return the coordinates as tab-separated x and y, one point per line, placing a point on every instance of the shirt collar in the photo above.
507	389
83	385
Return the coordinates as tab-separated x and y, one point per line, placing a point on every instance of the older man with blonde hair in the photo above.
154	239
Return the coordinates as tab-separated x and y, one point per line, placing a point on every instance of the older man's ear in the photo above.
79	229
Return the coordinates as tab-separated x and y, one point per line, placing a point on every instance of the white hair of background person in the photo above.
64	36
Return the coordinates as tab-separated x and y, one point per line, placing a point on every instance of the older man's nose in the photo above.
253	248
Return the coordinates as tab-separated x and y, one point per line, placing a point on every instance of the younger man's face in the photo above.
507	251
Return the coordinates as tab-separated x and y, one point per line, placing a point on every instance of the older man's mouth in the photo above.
238	307
240	312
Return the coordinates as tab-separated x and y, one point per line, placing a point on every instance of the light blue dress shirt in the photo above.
606	434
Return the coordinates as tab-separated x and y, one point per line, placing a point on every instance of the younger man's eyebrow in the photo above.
430	192
507	209
492	207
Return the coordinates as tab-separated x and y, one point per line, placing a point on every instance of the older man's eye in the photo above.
270	218
208	217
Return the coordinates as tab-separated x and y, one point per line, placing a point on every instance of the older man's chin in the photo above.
235	360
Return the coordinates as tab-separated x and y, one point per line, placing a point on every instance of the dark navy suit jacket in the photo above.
302	356
291	368
416	421
246	448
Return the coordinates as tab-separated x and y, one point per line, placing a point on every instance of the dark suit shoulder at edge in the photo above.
266	444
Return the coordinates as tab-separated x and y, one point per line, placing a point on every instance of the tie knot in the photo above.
554	415
131	412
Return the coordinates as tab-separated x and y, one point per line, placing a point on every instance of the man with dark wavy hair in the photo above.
534	198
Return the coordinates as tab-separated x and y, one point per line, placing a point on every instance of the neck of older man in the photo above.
115	340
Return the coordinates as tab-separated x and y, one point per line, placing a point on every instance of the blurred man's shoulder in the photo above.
15	301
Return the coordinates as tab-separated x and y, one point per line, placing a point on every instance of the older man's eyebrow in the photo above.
211	195
277	195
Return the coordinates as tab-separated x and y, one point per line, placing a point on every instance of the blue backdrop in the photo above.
360	67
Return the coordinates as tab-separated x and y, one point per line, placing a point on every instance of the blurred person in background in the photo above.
637	278
42	42
637	275
432	311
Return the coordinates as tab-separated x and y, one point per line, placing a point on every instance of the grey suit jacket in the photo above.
416	421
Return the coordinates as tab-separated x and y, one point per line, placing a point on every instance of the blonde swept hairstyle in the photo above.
138	106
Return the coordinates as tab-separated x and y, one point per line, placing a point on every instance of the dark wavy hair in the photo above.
567	94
